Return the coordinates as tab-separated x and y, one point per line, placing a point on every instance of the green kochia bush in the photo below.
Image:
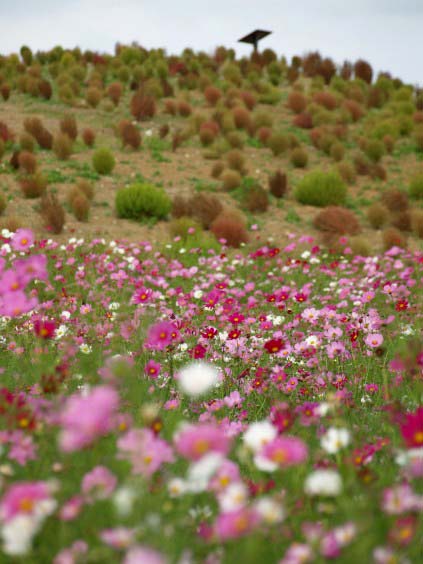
142	201
321	189
103	161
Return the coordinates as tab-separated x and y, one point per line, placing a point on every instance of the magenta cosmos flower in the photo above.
85	418
161	334
234	524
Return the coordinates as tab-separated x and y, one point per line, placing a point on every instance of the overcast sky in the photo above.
388	33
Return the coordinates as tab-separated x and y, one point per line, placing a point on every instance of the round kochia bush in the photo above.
103	161
142	201
319	188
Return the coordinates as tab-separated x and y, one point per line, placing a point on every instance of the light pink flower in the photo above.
145	451
194	441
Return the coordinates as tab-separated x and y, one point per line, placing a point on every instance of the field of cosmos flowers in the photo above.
180	405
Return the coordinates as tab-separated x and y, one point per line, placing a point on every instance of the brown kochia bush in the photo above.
88	137
86	187
392	237
257	199
130	135
45	89
263	134
143	106
278	184
33	185
355	110
231	179
363	70
235	160
299	157
164	130
114	92
395	200
184	108
212	95
205	208
231	226
242	118
52	213
69	126
325	99
62	146
378	215
417	223
80	207
35	127
217	169
11	223
27	162
303	120
93	96
180	207
296	102
335	220
26	142
5	91
401	220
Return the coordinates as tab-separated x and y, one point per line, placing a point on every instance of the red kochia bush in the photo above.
363	70
248	98
336	220
231	226
88	136
296	102
325	99
114	92
212	95
303	120
143	106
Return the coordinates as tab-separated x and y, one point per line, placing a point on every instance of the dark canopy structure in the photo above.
254	37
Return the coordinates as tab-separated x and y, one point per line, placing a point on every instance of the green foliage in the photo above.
142	201
319	188
415	189
103	161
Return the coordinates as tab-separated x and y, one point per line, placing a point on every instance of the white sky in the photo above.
388	33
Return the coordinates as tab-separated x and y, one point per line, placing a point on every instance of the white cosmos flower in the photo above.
258	434
86	349
233	497
264	464
18	533
323	482
197	378
334	439
270	511
123	500
176	487
201	471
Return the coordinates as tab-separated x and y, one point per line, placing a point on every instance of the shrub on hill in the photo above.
296	102
205	207
278	143
27	162
392	237
299	157
103	161
335	221
417	223
88	137
231	226
142	201
69	126
378	215
143	106
33	185
278	184
395	200
319	188
363	70
52	213
62	146
3	203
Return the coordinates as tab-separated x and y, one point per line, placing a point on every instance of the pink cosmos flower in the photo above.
285	451
374	340
71	555
13	304
119	538
71	508
143	555
161	334
194	441
85	418
22	240
99	483
22	498
235	524
228	473
145	451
